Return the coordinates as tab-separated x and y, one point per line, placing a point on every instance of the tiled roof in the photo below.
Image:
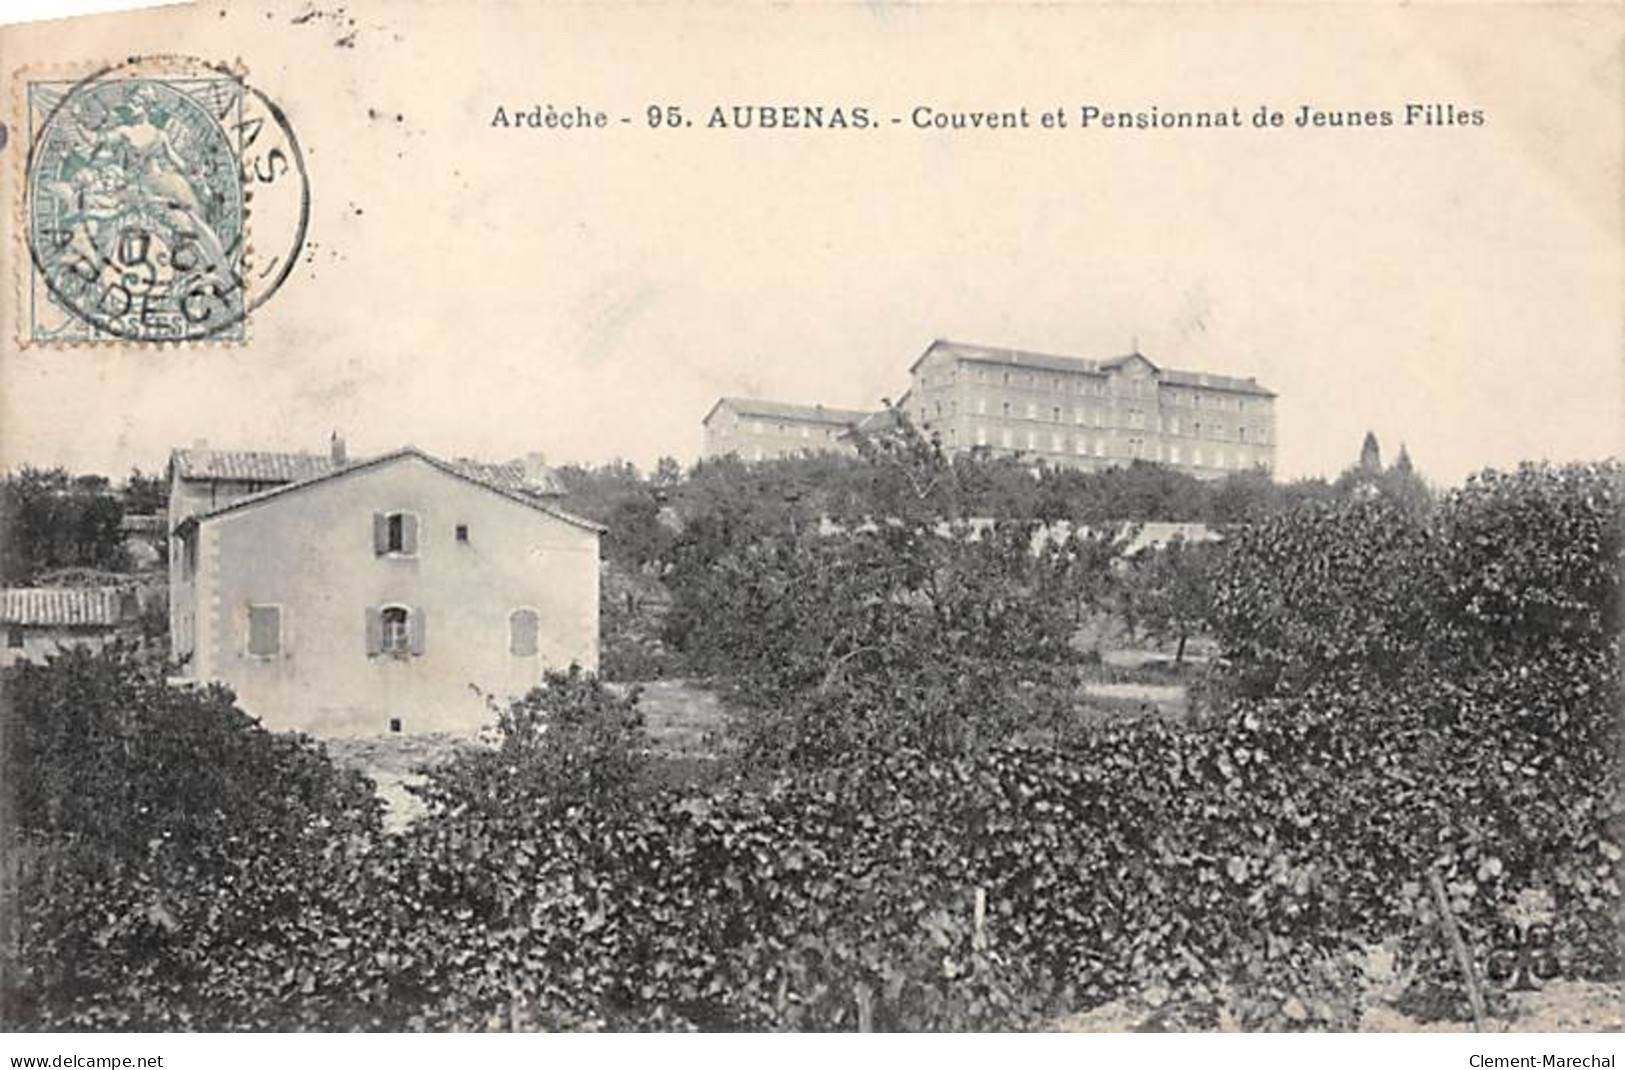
249	465
504	479
254	466
509	476
43	606
782	410
1052	362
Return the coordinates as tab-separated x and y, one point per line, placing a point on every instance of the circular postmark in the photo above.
166	200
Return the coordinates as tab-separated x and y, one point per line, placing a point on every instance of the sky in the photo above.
480	291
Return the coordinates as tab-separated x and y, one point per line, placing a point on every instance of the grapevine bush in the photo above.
1412	696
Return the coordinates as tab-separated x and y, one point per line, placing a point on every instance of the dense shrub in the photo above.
571	743
161	833
1325	590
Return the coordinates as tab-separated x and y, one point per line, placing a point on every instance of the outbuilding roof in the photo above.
61	606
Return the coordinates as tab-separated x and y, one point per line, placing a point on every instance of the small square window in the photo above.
462	532
14	637
394	724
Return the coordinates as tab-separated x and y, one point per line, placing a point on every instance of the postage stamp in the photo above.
142	181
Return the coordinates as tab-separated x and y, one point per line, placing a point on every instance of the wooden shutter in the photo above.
414	628
375	630
409	534
522	628
380	536
264	631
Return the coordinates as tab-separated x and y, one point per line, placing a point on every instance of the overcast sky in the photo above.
589	294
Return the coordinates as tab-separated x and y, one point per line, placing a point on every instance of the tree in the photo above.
1370	454
1171	590
50	520
668	473
144	494
911	626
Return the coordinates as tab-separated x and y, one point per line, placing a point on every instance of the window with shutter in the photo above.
395	533
264	631
395	637
523	625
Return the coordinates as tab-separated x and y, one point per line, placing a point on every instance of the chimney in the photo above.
538	477
336	448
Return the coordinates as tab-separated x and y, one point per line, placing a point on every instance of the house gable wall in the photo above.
311	553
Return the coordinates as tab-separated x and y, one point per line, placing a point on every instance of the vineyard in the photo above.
1409	749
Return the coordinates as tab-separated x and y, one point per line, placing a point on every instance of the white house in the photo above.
396	593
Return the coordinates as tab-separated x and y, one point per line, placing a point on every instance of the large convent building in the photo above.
1091	413
1059	410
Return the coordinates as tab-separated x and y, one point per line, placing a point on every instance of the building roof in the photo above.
256	466
472	472
873	423
1001	355
1208	381
249	466
61	606
1079	365
783	410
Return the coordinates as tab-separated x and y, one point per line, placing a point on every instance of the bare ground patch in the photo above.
392	762
1559	1007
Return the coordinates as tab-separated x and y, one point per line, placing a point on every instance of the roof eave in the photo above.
197	519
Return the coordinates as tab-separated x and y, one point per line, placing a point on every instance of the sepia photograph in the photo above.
1081	520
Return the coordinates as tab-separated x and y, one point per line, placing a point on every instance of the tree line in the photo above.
51	519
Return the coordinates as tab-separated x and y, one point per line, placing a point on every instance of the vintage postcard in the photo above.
814	517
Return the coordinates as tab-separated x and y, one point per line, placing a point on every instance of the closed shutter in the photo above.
409	534
415	628
522	628
375	630
380	534
264	631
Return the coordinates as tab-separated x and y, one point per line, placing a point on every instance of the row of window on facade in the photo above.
759	427
389	630
1132	418
759	453
1099	387
1133	447
1079	385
